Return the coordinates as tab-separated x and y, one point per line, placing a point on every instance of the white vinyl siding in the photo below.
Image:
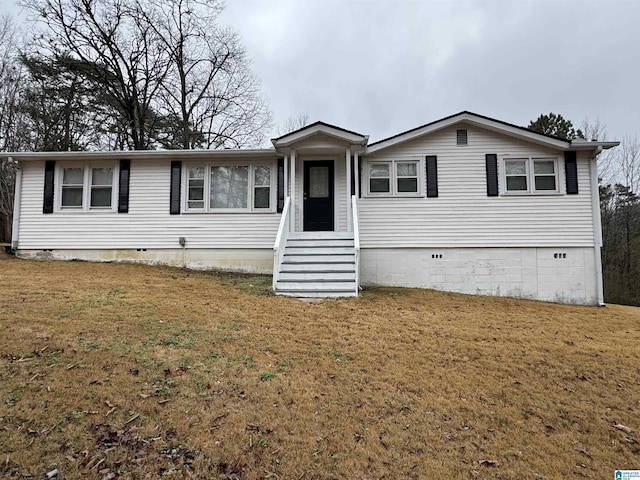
148	223
463	214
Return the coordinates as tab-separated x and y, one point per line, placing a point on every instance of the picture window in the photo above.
218	187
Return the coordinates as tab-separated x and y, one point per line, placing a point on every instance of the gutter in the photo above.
141	154
597	224
16	208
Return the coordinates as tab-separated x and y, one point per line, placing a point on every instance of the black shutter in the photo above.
49	170
571	172
353	178
432	176
123	188
492	174
280	188
360	162
176	177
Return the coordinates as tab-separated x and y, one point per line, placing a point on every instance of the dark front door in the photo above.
318	195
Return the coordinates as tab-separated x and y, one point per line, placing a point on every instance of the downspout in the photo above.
17	197
597	224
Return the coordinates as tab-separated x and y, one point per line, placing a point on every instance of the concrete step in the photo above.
322	276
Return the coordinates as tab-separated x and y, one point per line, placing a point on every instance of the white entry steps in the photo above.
318	265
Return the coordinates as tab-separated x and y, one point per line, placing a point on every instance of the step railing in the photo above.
281	240
356	238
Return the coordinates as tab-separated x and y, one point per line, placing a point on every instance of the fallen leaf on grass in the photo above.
132	419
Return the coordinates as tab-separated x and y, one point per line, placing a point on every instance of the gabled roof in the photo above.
320	127
489	124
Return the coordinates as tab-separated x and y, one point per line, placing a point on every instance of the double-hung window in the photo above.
72	187
86	187
226	187
532	175
394	177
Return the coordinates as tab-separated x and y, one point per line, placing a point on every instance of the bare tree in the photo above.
171	76
11	77
11	80
620	209
629	163
593	129
293	123
209	95
116	50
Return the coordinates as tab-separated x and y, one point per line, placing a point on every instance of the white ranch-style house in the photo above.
464	204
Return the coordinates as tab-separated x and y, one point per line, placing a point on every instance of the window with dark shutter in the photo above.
280	187
49	171
491	160
123	186
461	136
176	176
432	176
571	172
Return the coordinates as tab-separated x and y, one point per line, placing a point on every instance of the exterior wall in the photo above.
234	259
147	225
339	189
501	245
463	215
531	273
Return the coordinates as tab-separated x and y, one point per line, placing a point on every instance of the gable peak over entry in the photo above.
320	137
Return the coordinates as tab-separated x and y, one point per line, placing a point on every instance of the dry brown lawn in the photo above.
129	371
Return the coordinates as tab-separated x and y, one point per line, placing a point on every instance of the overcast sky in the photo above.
380	67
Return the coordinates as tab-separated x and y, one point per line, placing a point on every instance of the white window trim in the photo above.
273	194
86	186
559	173
393	178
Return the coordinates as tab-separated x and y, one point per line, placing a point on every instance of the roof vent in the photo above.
461	136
